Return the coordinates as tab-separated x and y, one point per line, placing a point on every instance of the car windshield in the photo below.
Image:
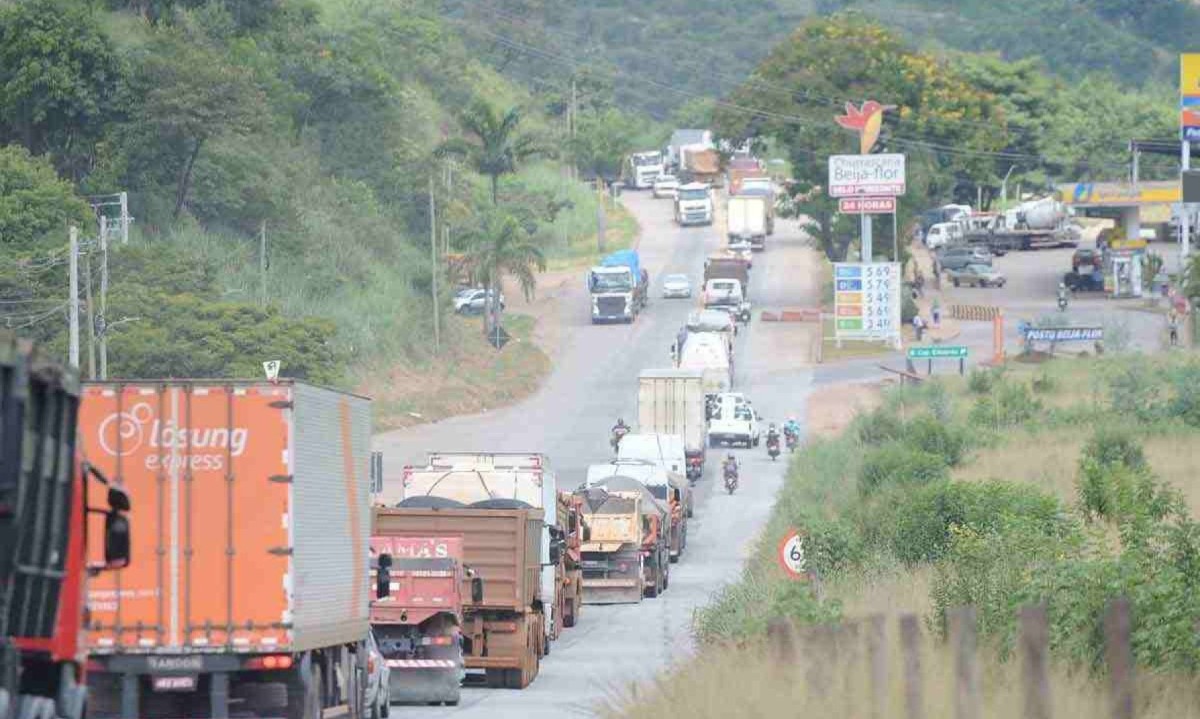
675	279
611	282
693	194
664	179
652	158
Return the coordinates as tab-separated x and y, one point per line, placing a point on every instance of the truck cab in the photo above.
693	204
618	287
643	168
723	293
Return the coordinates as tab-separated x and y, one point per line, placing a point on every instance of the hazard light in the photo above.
269	662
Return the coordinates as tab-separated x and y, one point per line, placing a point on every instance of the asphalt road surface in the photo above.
593	383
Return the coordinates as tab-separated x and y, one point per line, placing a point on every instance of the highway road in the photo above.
593	383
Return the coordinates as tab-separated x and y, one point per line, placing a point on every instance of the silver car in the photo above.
378	695
676	286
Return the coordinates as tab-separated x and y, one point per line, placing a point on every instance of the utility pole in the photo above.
73	317
433	269
1185	240
601	216
91	314
124	218
103	298
574	117
262	264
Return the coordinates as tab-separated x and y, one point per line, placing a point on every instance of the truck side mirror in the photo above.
477	589
116	539
383	577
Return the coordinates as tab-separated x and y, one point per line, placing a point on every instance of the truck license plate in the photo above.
175	684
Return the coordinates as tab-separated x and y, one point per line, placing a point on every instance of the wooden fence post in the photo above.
910	648
1034	646
967	700
1119	651
877	657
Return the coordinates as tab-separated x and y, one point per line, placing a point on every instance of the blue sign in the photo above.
849	285
1064	334
848	271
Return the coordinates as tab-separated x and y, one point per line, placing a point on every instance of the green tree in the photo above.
500	246
602	141
58	77
496	146
187	93
36	207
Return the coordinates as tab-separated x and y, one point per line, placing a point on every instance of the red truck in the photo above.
46	517
417	613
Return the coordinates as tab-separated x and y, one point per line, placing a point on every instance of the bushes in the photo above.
897	463
1007	405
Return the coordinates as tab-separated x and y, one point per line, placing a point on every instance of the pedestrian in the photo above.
1173	327
935	311
918	326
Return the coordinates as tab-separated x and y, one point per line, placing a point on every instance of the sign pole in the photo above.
895	239
1185	230
866	250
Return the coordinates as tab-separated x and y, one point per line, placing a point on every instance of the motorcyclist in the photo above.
1062	294
730	465
772	435
619	430
791	428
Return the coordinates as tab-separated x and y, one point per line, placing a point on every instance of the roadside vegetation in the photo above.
1069	483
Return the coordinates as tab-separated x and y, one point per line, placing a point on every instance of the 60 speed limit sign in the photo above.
792	554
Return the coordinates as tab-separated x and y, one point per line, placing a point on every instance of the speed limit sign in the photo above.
792	554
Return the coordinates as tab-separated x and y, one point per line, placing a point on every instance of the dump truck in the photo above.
626	550
746	221
503	630
618	287
470	477
251	500
60	520
669	488
738	169
570	534
417	614
671	401
701	164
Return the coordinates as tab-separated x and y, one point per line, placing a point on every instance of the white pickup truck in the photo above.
733	422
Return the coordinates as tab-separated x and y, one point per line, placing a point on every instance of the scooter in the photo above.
731	479
791	439
773	448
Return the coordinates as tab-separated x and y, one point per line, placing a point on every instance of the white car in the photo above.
676	286
472	301
733	422
665	186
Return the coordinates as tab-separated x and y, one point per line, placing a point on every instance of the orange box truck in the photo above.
251	556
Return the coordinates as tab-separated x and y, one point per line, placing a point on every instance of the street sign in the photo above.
792	555
866	205
1189	96
866	175
866	300
271	368
937	352
1064	334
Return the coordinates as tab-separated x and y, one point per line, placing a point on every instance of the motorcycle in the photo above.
791	440
731	479
773	448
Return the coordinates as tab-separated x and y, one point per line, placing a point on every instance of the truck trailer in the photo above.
746	221
51	500
671	401
251	555
503	630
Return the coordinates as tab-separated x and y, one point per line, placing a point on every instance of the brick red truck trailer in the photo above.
249	588
51	505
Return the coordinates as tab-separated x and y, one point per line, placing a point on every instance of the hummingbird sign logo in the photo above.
866	121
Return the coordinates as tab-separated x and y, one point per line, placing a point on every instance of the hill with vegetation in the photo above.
310	129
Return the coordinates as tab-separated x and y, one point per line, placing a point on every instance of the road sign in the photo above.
792	555
1189	96
866	205
271	368
937	352
866	175
866	300
1064	334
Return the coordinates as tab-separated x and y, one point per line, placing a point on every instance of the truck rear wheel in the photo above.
304	694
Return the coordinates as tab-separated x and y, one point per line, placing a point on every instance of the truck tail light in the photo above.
370	663
269	661
442	640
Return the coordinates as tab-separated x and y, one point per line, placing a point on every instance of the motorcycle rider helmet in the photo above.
731	458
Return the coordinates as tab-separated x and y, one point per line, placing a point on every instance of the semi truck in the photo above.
669	488
1030	225
746	221
685	138
671	401
251	500
763	187
618	287
626	553
699	163
60	520
503	629
418	585
643	168
708	354
738	169
693	204
470	477
569	534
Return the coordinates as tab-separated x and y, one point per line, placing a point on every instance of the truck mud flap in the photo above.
422	681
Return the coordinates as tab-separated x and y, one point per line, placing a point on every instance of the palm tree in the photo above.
495	146
501	246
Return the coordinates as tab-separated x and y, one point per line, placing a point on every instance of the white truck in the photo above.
746	220
693	204
708	353
733	421
671	402
643	168
470	477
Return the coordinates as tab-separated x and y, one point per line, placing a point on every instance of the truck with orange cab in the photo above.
417	614
502	630
252	504
48	531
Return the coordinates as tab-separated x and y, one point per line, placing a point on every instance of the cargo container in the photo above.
50	502
252	506
503	631
671	401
